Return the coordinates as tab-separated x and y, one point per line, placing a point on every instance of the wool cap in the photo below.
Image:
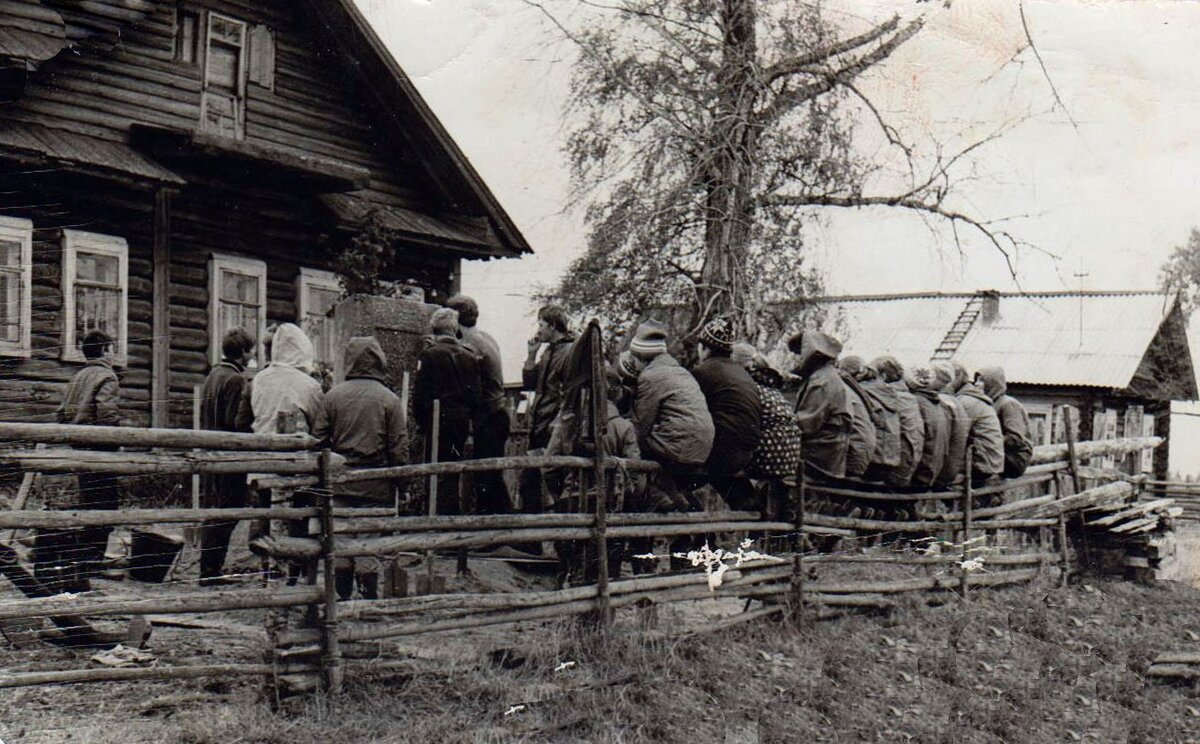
744	354
718	335
649	340
628	368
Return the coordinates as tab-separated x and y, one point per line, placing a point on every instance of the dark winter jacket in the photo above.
362	419
912	435
960	430
448	372
736	410
620	441
936	439
1014	422
93	397
222	396
546	380
863	436
491	368
671	415
823	407
886	405
984	434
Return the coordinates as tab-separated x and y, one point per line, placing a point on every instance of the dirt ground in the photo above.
1027	664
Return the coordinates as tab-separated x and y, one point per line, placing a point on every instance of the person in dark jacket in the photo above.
912	428
960	426
92	398
492	427
1014	421
447	372
363	421
863	431
985	437
881	398
823	408
544	376
923	384
219	402
736	409
564	484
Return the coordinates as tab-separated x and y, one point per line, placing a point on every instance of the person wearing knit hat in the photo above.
629	366
649	340
736	407
717	336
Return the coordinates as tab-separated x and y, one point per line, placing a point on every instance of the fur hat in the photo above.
718	335
649	340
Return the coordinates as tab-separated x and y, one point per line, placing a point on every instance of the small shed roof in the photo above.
34	143
1076	339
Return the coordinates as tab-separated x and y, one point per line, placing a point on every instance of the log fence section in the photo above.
293	463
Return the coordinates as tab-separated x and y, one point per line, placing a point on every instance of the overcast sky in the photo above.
1109	194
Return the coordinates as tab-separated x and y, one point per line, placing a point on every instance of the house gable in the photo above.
1166	372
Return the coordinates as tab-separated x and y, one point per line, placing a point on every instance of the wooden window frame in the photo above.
182	11
21	230
313	278
243	72
218	262
74	242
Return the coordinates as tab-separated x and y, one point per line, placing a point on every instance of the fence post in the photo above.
798	548
435	432
331	657
599	404
1062	532
1076	481
968	497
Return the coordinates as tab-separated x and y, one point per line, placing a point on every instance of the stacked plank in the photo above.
1135	519
1186	496
1176	665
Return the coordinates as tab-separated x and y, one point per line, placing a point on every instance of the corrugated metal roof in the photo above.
65	148
1040	340
1036	338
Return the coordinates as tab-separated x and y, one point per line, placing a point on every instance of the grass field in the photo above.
1028	664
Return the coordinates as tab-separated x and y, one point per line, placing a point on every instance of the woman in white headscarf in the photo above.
284	398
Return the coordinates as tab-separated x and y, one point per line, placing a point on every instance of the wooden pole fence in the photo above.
31	519
122	436
193	602
71	461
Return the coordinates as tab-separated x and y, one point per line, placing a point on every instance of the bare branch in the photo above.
1042	63
789	99
804	62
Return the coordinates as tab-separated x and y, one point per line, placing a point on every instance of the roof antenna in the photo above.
1081	275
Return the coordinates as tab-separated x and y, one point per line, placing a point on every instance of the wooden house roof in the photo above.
33	32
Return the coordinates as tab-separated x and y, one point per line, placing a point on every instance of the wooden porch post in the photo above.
160	356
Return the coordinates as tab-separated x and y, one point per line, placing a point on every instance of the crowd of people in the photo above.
723	428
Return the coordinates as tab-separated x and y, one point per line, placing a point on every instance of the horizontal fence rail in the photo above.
293	462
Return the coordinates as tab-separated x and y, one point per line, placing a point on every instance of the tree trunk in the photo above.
729	205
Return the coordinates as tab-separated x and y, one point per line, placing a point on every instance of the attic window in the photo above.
223	106
187	36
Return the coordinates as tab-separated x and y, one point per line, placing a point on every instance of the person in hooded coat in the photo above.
1014	421
284	398
960	426
863	434
822	409
363	421
923	384
447	372
912	427
885	410
984	437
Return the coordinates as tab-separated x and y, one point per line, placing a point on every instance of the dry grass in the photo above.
1029	664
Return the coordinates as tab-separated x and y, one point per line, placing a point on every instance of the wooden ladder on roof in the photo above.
962	326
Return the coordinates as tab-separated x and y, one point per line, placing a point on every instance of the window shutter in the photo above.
262	57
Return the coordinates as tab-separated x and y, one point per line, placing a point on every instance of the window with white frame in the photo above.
237	292
316	294
16	285
95	292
